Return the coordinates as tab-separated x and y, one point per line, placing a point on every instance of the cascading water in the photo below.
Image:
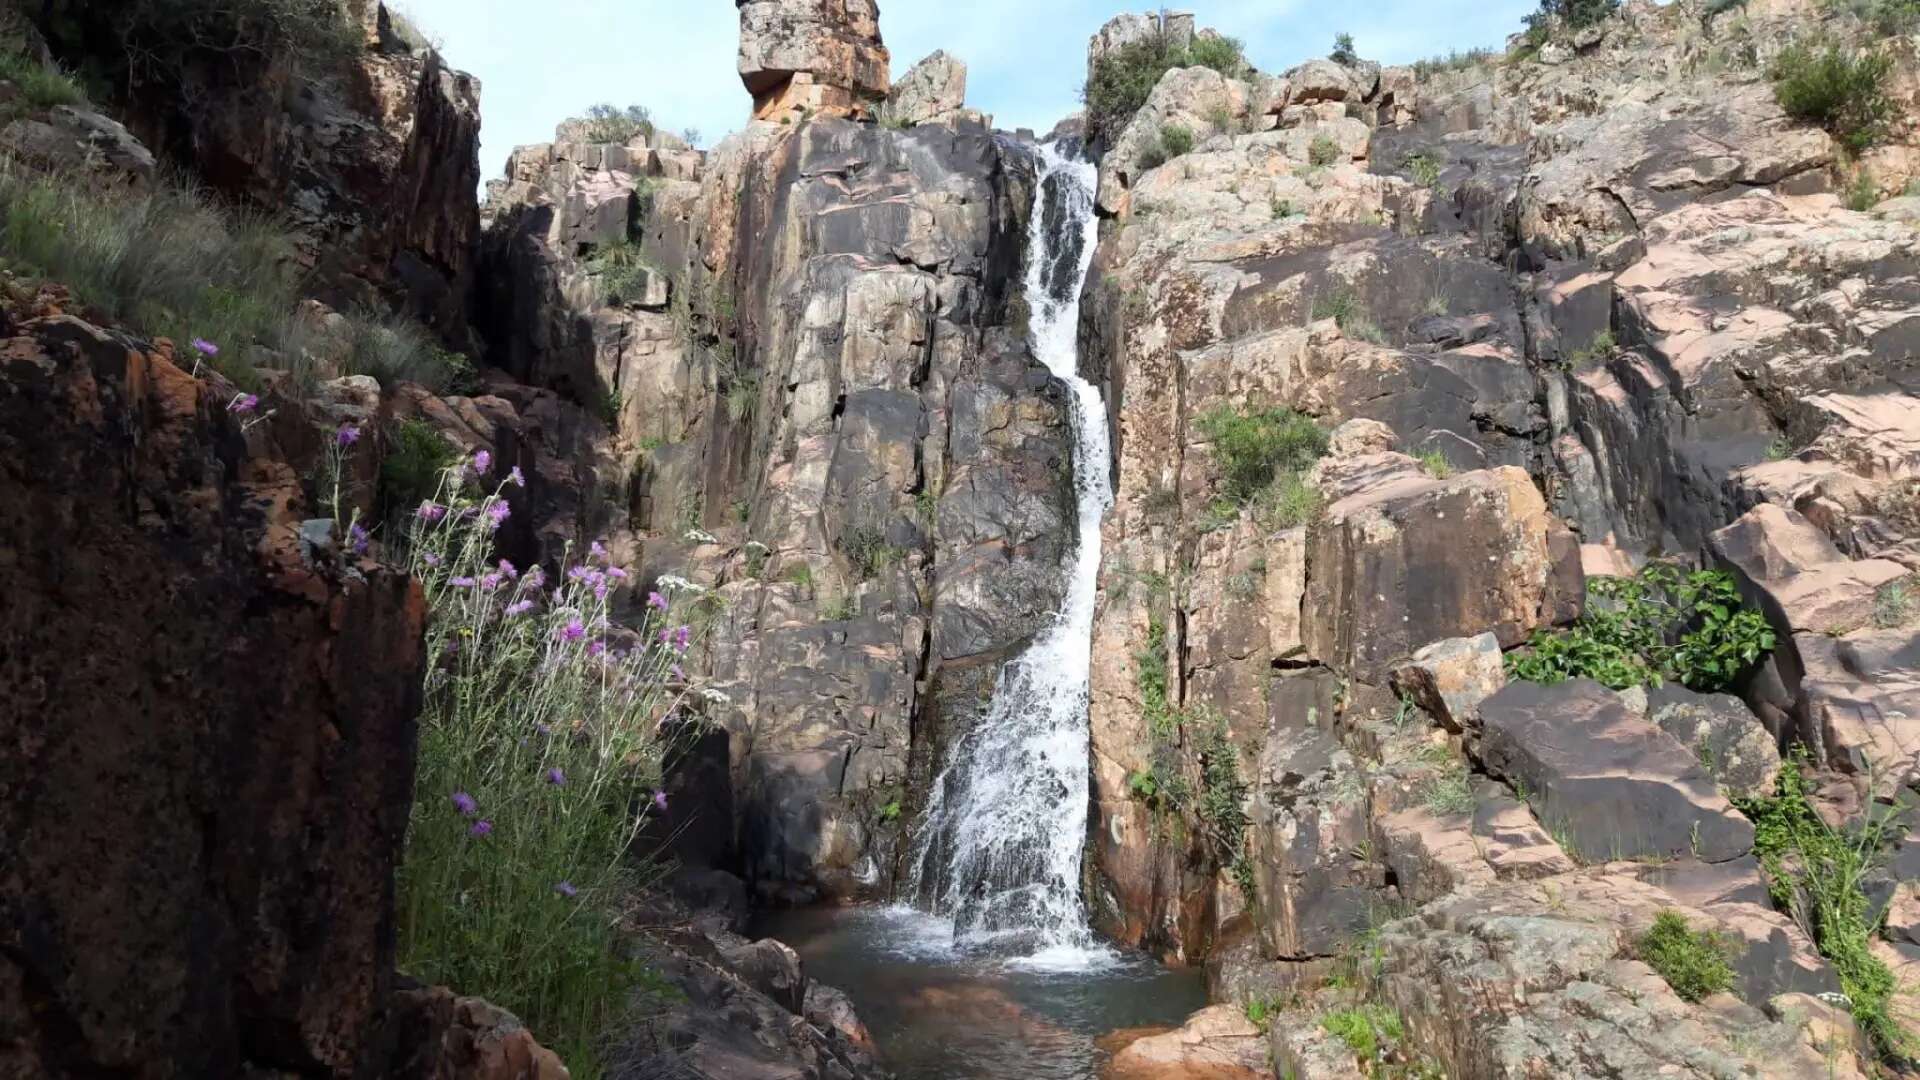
1001	840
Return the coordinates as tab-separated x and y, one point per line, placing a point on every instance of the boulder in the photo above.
1449	679
1433	854
1387	573
1805	582
932	91
818	57
1216	1043
1312	889
1611	784
80	141
1320	80
466	1038
201	825
1736	749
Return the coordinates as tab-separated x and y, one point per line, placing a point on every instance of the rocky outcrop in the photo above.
804	58
376	169
200	824
932	91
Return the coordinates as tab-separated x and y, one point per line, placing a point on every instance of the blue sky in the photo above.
540	62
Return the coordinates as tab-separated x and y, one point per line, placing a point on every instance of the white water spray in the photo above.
1006	822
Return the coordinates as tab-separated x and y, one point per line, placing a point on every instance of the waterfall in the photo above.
1006	821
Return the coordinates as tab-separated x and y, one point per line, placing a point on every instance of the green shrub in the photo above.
1889	17
1424	169
394	349
1842	90
1573	14
1175	141
607	123
1282	208
538	764
1453	61
869	552
1254	448
1119	82
1893	604
1435	464
1599	350
1693	963
1815	873
1347	311
1662	624
1451	793
1366	1029
410	473
40	86
163	39
620	272
1863	192
1323	151
1288	503
1343	50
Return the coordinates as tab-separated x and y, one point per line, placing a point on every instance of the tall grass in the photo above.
540	753
40	86
169	263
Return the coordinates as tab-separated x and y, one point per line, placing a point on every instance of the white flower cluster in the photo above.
700	536
676	583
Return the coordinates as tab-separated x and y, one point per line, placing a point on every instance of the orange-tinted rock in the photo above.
817	57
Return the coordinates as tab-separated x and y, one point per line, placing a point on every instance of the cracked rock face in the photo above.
812	57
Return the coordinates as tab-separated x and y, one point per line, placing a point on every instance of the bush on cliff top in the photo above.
1121	81
1693	962
540	752
1841	89
1256	449
161	39
1574	14
168	263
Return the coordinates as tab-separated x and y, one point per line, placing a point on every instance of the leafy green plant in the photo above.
1841	89
1863	192
1282	208
1261	1010
1662	624
40	86
1693	962
839	608
1220	118
1600	349
1893	604
1455	60
868	551
620	272
1345	308
1573	14
1435	464
1323	151
1451	793
539	762
1120	81
1815	873
416	456
1424	169
800	574
1175	140
1368	1030
609	123
1254	448
1343	50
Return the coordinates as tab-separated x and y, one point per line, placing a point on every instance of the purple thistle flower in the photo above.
509	569
519	608
358	538
655	600
556	777
205	347
517	478
578	573
430	512
596	648
480	828
482	463
461	582
600	590
498	513
682	638
573	631
598	550
242	404
347	435
616	573
536	578
566	889
660	800
492	582
430	559
465	803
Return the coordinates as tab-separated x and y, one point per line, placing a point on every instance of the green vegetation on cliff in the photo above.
1119	82
1693	962
1840	88
1662	624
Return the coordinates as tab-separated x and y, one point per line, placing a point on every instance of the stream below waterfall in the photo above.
938	1014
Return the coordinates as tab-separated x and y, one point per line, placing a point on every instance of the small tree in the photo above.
1574	14
1343	50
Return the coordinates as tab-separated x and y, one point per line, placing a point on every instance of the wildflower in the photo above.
205	347
678	673
655	600
701	536
519	608
573	631
509	569
482	463
596	648
358	538
715	696
242	404
492	582
682	638
536	578
517	478
598	550
430	559
461	582
347	435
616	573
430	512
566	889
676	583
556	777
465	803
660	800
497	513
480	828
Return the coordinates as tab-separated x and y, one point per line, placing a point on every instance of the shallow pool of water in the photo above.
937	1015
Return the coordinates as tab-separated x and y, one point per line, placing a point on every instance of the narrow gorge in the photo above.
1354	570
